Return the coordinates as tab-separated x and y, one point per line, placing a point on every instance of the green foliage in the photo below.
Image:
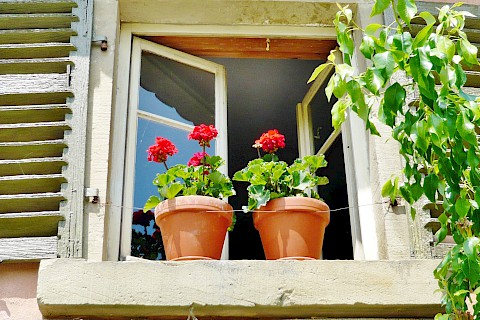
183	180
437	133
271	179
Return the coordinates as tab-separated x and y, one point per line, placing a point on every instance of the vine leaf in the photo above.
407	10
379	7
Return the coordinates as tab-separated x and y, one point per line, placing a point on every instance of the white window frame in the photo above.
365	240
134	113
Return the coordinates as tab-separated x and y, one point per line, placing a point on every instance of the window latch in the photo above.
91	194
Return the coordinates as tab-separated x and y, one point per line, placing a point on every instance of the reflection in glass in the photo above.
190	92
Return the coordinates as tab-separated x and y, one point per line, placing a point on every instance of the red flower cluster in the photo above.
203	134
197	159
270	141
160	151
142	218
156	234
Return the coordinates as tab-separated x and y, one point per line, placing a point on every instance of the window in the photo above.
306	128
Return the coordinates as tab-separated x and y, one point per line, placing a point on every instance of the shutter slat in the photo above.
32	248
29	224
32	166
35	50
33	83
36	35
42	65
32	131
36	20
23	184
32	149
39	98
36	6
30	202
33	113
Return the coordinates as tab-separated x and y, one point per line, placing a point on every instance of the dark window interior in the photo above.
262	95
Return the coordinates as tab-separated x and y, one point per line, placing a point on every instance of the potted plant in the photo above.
190	210
288	212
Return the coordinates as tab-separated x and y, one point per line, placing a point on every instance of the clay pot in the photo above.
292	227
193	227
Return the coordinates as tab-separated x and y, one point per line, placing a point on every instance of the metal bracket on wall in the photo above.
91	194
101	41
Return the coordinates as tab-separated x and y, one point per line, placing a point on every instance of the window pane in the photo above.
177	91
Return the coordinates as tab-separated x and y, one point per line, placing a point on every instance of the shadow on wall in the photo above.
4	311
18	291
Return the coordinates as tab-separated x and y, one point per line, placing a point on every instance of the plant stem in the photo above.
203	163
165	164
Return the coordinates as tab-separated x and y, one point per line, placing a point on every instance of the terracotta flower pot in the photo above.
292	227
193	227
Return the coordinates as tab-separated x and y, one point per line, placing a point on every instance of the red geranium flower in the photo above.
197	159
156	234
270	141
160	151
203	134
142	218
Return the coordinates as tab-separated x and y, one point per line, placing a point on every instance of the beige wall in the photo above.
18	291
477	2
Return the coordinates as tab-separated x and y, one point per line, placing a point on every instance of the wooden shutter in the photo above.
44	62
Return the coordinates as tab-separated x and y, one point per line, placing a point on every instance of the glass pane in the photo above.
177	91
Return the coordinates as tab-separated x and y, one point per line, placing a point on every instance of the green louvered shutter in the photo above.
44	64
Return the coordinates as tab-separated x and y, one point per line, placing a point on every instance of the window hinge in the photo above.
101	41
91	194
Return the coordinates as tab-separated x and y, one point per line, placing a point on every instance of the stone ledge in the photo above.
281	289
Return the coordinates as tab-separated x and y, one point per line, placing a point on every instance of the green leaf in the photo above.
163	179
317	71
469	52
389	189
329	88
442	232
466	128
386	62
372	28
462	206
395	97
469	247
258	195
461	292
373	80
406	9
430	184
471	269
428	17
447	46
356	94
422	36
171	191
151	203
472	158
379	7
338	113
367	47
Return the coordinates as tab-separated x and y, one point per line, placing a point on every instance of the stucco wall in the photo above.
18	291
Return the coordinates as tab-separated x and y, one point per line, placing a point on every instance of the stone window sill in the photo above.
257	289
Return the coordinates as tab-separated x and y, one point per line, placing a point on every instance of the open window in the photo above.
170	91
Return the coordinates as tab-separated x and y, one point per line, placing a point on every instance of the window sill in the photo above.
299	289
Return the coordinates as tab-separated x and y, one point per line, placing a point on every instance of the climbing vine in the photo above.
437	132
